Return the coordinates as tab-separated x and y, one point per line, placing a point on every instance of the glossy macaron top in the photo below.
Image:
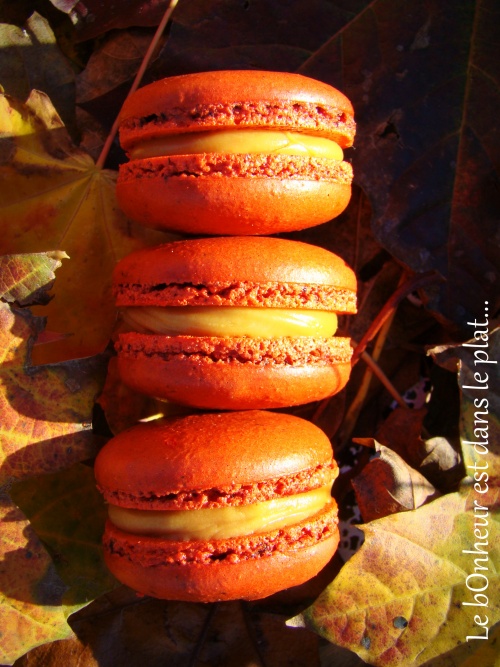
223	457
225	261
236	99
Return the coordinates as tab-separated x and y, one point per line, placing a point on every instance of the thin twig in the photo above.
415	282
203	634
138	78
379	373
352	414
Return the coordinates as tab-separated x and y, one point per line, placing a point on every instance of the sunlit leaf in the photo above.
45	411
30	589
402	599
53	196
26	279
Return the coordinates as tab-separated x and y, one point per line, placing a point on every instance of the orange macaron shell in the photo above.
210	461
235	372
209	374
240	192
205	202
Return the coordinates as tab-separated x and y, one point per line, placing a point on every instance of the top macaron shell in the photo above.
212	453
234	193
236	98
203	271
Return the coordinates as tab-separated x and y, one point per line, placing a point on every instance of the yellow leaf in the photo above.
53	196
409	594
30	590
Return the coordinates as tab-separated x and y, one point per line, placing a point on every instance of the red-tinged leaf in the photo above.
26	279
479	380
30	589
402	599
387	484
45	411
53	196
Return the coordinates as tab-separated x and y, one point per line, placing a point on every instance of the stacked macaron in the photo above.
229	505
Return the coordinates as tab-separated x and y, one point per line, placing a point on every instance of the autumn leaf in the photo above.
53	504
46	426
30	589
27	279
111	66
40	589
424	85
435	457
53	196
402	599
45	411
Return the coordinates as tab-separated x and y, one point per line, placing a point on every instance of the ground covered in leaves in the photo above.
417	430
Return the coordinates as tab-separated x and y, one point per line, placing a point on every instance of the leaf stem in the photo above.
138	78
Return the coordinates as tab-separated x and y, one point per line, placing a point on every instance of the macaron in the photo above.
234	323
235	152
218	506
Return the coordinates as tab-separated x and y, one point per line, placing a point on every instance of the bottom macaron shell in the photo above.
221	580
226	386
236	206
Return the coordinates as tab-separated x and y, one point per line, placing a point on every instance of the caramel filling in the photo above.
223	522
229	321
239	141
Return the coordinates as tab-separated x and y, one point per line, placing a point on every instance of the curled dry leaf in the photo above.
113	64
31	59
401	599
387	484
435	458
